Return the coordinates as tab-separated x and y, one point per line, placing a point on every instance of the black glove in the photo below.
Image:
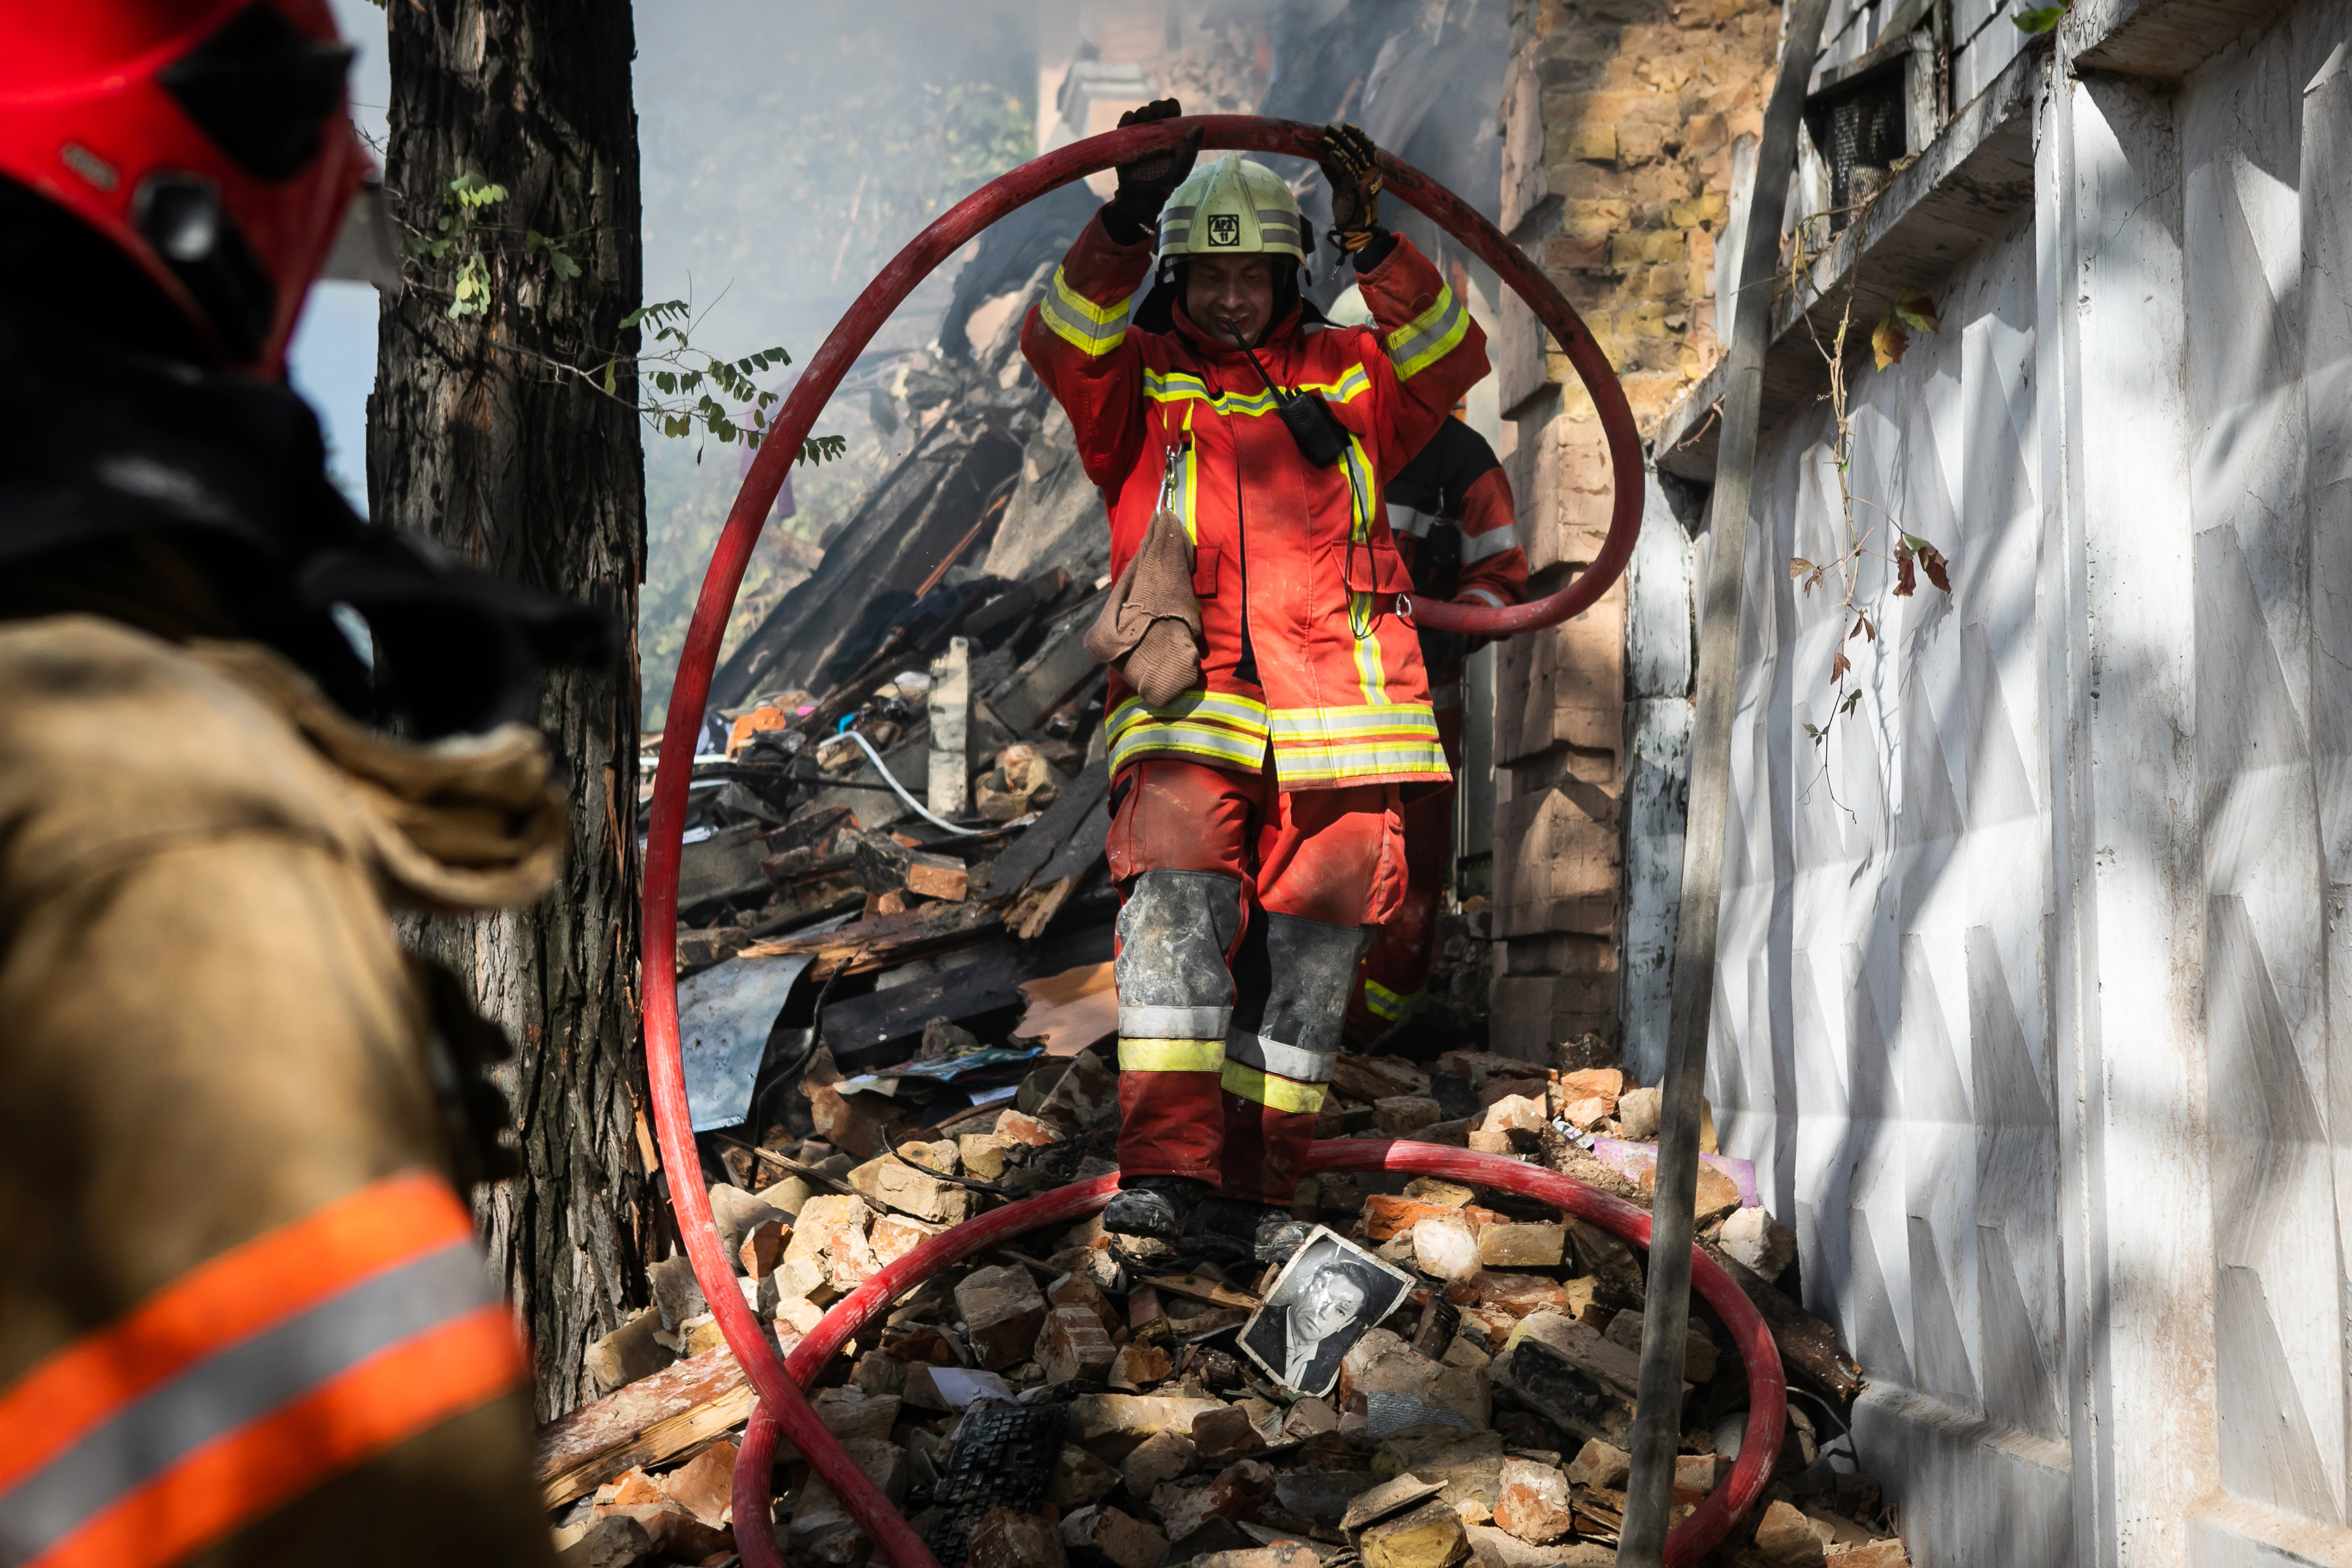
1351	167
1145	184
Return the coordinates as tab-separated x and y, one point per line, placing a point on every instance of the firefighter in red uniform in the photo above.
1257	829
1451	514
244	1320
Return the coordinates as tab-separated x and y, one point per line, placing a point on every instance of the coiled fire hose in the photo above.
783	1409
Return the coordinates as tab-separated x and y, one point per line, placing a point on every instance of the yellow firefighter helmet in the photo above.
1232	207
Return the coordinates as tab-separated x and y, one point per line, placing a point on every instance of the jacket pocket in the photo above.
1204	571
1370	568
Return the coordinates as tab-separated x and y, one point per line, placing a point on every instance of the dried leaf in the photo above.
1887	342
1916	310
1860	622
1798	566
1840	665
1906	582
1931	561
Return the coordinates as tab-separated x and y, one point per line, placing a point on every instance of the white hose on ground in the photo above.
914	805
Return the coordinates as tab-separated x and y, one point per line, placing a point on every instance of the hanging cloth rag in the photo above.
1150	627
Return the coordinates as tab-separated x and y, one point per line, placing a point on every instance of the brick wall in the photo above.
1619	119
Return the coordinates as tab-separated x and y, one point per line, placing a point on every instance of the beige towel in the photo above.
1149	628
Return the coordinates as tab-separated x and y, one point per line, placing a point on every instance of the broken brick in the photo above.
1403	1116
1522	1246
762	1249
896	1235
1533	1504
1444	1245
1073	1345
1079	1479
864	1124
1002	1311
920	1192
1013	1126
1223	1435
1160	1458
1136	1367
1431	1536
1785	1538
705	1485
1103	1537
1601	1467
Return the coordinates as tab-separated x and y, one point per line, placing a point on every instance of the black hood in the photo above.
107	447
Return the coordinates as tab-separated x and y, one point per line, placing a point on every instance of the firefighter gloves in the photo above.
1145	183
1351	167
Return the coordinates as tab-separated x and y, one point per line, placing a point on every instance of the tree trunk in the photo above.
476	440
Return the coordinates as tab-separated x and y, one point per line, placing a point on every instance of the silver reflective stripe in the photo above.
1411	520
236	1386
1174	1023
1407	347
1493	541
1487	596
1284	1060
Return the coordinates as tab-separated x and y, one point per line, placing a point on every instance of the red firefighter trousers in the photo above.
1244	911
1396	966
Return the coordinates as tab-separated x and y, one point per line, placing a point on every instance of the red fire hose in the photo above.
780	1399
1767	1390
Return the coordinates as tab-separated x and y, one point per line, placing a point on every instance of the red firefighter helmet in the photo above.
210	140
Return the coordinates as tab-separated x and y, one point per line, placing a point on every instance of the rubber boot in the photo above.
1236	1226
1155	1206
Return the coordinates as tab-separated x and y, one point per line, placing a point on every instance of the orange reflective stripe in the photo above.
358	1414
251	1379
220	1301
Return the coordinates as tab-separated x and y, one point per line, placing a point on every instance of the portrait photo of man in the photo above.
1326	1298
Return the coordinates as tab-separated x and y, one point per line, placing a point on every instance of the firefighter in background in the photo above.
1256	835
1452	512
243	1317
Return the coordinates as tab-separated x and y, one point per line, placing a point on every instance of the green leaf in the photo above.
611	385
2039	20
559	260
469	191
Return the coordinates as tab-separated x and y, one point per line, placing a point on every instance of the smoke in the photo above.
789	150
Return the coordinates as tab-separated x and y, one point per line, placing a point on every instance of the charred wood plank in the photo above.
864	945
1033	850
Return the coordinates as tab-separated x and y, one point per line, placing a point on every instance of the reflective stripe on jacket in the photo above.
251	1379
1341	697
1457	479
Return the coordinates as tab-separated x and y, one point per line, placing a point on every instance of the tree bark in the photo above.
475	439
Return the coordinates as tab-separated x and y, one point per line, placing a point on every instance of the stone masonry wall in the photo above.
1619	121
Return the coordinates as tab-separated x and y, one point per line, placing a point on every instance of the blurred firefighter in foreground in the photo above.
1452	512
243	1317
1268	714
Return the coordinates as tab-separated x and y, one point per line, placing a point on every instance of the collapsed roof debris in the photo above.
1086	1399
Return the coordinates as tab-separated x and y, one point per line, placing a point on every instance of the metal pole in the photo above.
1666	1317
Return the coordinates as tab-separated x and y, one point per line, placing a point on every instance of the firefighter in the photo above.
1256	832
243	1316
1452	512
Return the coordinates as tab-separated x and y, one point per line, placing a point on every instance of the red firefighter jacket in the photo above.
1458	480
1341	694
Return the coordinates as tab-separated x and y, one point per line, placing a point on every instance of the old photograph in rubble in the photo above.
1326	1298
